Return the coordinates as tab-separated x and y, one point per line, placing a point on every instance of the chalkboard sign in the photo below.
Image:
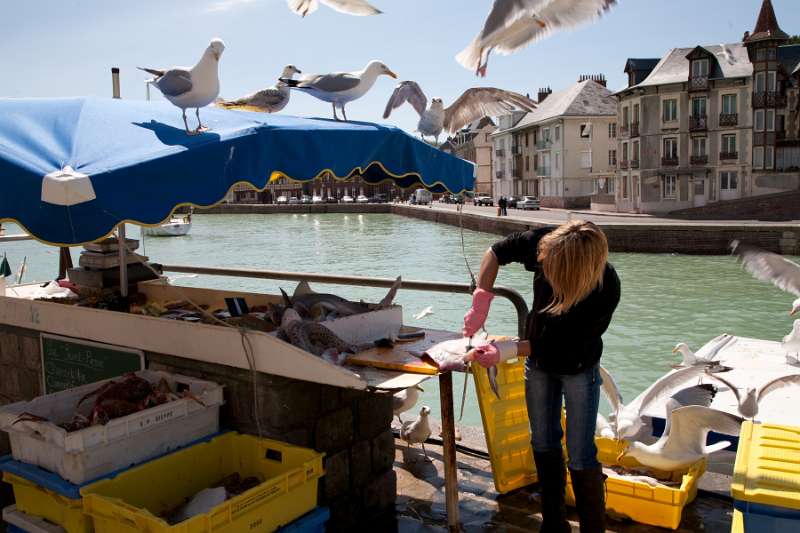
68	362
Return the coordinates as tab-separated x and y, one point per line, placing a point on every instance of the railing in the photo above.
634	129
769	99
499	153
624	130
728	119
698	123
634	163
433	286
727	156
669	161
499	174
698	83
698	160
624	165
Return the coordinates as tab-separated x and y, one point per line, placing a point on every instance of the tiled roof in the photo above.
767	25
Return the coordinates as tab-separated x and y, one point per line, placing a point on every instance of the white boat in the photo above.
176	227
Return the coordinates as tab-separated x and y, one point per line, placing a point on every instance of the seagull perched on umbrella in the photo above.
341	88
194	87
351	7
269	100
768	266
513	24
748	404
471	105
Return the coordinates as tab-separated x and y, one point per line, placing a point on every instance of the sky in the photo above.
67	47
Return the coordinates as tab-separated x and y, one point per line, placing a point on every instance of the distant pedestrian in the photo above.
502	203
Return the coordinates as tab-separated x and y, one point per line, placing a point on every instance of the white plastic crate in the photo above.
81	456
28	523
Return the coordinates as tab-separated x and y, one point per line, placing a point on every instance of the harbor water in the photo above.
666	299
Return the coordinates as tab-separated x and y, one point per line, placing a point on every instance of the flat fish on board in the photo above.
449	355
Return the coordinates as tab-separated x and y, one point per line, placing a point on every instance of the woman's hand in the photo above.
490	354
476	316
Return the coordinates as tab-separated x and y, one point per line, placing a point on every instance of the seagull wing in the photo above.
767	266
175	82
483	102
779	383
330	83
610	390
696	395
731	386
690	426
406	91
261	100
569	13
352	7
303	7
665	385
709	350
523	32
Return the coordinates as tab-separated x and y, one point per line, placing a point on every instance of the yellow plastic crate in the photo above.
35	500
132	501
506	425
655	506
737	524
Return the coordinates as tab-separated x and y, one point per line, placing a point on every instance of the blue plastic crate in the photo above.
11	528
313	522
760	518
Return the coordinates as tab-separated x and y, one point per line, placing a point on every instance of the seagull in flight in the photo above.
767	266
471	105
350	7
269	100
513	24
194	87
748	404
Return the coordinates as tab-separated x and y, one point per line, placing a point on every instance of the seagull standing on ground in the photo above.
269	100
404	400
471	105
194	87
705	354
341	88
418	431
771	267
791	344
513	24
748	404
350	7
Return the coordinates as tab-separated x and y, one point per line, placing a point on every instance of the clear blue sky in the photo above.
67	47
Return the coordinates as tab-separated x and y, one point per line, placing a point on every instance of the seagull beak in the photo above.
390	73
675	350
793	312
420	388
298	71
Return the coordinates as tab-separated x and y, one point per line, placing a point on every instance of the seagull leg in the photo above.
186	125
344	113
334	112
426	453
200	126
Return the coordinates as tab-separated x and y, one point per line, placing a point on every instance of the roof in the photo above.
731	61
634	63
766	25
789	56
585	98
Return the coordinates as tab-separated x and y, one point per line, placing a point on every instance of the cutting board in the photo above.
401	357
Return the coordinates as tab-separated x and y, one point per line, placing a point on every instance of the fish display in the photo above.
321	306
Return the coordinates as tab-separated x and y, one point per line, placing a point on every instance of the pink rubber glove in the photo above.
487	355
476	316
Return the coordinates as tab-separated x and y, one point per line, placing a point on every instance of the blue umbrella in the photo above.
72	169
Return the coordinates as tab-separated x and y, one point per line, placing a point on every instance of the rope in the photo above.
472	283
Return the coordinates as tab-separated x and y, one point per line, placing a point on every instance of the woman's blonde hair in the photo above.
573	257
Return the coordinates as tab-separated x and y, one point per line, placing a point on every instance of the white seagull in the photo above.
626	420
269	100
341	88
194	87
705	354
350	7
471	105
748	404
791	344
771	267
683	442
425	312
513	24
404	400
418	431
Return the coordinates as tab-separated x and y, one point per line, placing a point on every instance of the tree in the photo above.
794	39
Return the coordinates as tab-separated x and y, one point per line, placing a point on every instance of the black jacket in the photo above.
567	343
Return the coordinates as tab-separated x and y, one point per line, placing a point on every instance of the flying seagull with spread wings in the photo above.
350	7
473	104
513	24
771	267
269	100
748	404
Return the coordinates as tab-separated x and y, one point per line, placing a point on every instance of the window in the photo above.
558	133
586	131
635	151
769	157
671	148
557	160
729	104
635	113
670	107
546	134
759	120
758	157
728	181
612	130
669	185
626	119
612	185
771	81
761	82
527	162
699	107
761	54
700	68
770	119
625	186
625	152
586	159
526	139
699	146
729	144
612	158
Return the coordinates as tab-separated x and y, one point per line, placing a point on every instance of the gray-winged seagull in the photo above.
771	267
418	431
351	7
705	354
194	87
269	100
748	404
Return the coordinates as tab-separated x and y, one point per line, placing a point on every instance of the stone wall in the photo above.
247	209
776	207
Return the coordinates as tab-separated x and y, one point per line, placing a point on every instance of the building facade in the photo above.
325	186
505	177
708	124
473	143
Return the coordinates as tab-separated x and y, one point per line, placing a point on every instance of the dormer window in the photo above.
700	68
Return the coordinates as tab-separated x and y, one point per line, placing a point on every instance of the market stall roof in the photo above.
72	169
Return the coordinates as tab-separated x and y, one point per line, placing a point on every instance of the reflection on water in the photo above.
665	298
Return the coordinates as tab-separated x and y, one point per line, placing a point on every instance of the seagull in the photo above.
513	24
471	105
269	100
791	343
425	312
341	88
748	405
194	87
627	419
705	354
683	442
351	7
603	428
767	266
404	400
418	431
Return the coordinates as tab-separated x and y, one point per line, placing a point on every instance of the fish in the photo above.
320	305
449	355
319	340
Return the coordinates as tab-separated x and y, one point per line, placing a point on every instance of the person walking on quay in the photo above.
501	206
575	293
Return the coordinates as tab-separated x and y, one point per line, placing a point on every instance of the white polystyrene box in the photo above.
368	327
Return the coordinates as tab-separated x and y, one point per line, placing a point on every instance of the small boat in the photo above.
176	227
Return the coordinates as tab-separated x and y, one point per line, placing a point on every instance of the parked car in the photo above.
446	199
362	199
294	200
305	199
528	202
282	200
347	199
512	201
380	198
317	200
422	197
483	200
331	200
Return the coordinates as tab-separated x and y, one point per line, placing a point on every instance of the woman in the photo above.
575	293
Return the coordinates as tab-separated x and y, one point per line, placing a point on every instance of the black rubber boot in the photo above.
590	498
552	483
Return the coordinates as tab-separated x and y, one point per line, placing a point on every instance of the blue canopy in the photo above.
72	169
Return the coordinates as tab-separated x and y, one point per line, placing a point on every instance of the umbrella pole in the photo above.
123	261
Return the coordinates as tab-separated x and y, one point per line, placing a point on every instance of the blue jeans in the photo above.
581	392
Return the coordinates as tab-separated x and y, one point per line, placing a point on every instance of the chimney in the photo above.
544	93
597	78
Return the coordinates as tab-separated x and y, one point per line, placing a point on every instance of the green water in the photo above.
665	298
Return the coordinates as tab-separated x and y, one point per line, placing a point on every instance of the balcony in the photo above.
769	99
634	129
544	144
500	153
698	160
669	161
624	130
634	163
727	120
728	156
699	83
698	123
623	165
